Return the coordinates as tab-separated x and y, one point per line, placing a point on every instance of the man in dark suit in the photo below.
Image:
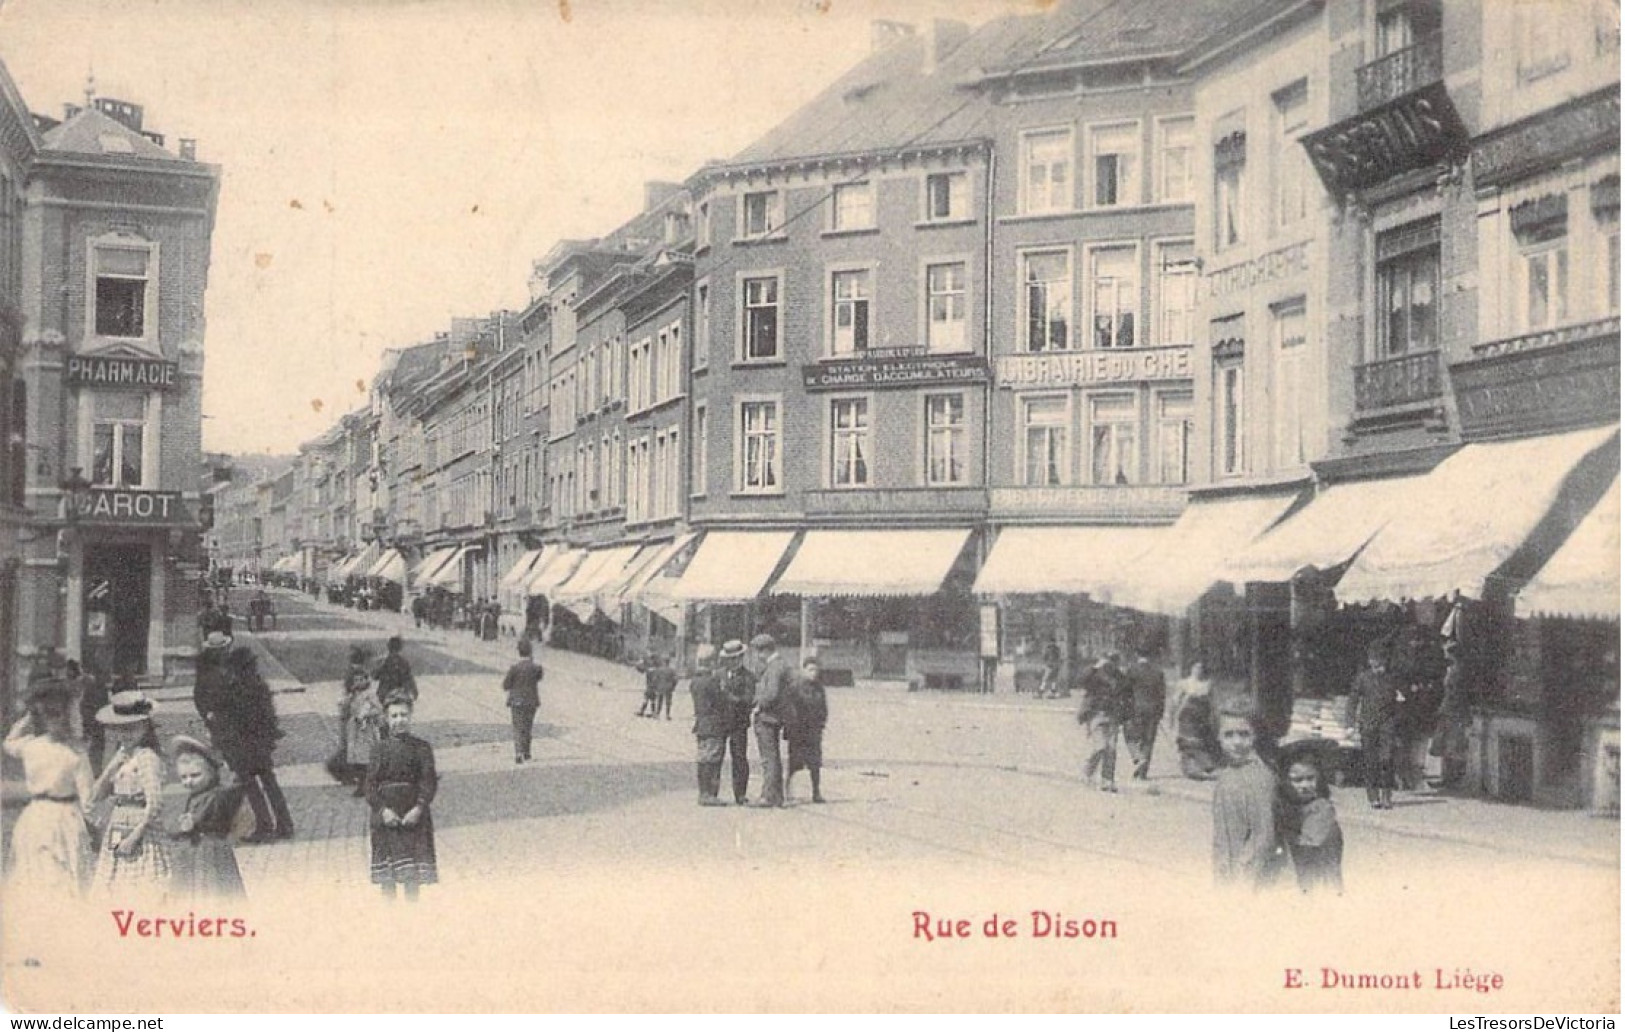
770	710
738	687
520	685
1150	696
710	725
1377	698
1105	707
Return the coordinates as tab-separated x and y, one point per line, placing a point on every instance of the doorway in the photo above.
117	607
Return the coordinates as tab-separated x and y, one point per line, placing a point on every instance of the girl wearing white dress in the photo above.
49	846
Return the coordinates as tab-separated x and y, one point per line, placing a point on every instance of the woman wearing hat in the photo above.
49	845
133	859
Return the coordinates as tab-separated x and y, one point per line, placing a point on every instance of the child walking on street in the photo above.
1246	847
401	784
204	862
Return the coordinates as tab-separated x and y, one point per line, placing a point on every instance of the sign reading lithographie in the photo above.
895	371
1266	268
1412	132
1567	385
144	374
1587	124
1084	368
126	507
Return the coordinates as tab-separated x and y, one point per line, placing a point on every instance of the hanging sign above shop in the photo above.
1589	124
1085	368
133	373
895	371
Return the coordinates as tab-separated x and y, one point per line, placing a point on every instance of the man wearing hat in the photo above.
209	693
1377	698
775	695
710	725
738	687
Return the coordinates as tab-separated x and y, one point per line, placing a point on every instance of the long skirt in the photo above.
146	873
49	850
206	868
404	856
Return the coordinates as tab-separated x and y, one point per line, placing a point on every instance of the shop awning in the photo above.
287	564
520	570
427	566
1185	561
1062	560
613	591
732	565
449	574
391	566
363	561
872	563
335	573
1325	533
1469	516
555	567
1582	578
579	593
653	586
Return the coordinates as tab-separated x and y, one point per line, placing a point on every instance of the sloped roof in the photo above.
1135	30
92	132
887	100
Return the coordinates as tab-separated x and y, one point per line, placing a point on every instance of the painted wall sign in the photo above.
126	507
1570	385
1083	368
1587	124
135	373
895	371
1414	131
1266	268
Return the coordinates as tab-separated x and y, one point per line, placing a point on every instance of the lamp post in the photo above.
75	500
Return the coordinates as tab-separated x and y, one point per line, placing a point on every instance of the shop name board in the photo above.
1084	368
1415	131
1528	391
1266	268
138	373
898	371
1589	123
117	505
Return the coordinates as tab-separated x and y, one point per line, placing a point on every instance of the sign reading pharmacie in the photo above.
124	507
909	370
1089	368
110	371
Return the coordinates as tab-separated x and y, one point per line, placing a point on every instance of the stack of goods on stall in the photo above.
1329	719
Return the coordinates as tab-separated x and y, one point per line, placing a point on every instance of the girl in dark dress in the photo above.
204	864
1309	827
401	784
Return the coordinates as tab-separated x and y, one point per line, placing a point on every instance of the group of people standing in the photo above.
1130	701
776	702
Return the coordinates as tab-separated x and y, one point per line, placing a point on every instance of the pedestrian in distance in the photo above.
361	723
1050	686
89	695
134	859
1194	732
710	725
1246	843
203	862
1148	690
770	711
1377	699
660	684
804	734
1308	824
49	843
394	673
738	688
401	785
1105	706
520	685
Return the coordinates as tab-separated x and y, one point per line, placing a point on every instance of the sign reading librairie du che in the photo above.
126	507
894	371
143	374
1086	368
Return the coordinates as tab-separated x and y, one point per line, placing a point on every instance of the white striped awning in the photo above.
1324	534
553	569
1581	579
733	565
872	563
1062	560
1186	560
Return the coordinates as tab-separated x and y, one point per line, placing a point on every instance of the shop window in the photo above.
1288	332
1176	293
760	323
1047	297
850	311
1292	178
947	196
118	440
1046	178
945	293
1114	440
1115	273
852	206
761	214
1176	428
757	461
849	443
1116	169
122	283
945	440
1229	188
1045	441
702	225
1408	289
1176	153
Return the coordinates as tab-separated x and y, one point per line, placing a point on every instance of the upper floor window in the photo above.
1046	176
1045	441
852	206
1114	439
761	213
1544	263
849	444
1116	169
945	292
1230	457
947	196
1047	300
702	325
759	325
945	439
1229	187
699	475
1176	154
1115	272
702	224
118	439
1408	289
122	282
1176	293
1289	331
756	463
1291	160
1176	429
850	311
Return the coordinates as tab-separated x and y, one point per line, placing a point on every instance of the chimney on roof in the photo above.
188	149
883	35
657	192
69	110
121	111
942	37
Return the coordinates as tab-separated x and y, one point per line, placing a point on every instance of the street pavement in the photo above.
597	858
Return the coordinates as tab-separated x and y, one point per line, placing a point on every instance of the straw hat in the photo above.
131	707
732	649
217	640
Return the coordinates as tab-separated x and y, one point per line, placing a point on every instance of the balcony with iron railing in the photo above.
1397	382
1403	72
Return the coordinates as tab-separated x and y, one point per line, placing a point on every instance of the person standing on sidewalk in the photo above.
1103	711
710	725
1150	695
248	734
1377	701
394	674
1246	842
738	694
520	686
804	734
772	703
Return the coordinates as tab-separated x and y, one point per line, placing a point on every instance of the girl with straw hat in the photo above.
133	860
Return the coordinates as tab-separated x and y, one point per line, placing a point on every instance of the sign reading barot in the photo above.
124	506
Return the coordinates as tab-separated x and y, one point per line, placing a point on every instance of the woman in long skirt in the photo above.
401	783
49	846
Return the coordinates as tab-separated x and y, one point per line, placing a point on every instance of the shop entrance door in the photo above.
117	607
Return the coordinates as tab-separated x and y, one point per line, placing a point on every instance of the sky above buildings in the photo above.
389	165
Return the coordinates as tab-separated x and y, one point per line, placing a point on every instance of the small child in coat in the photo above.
203	862
1309	827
